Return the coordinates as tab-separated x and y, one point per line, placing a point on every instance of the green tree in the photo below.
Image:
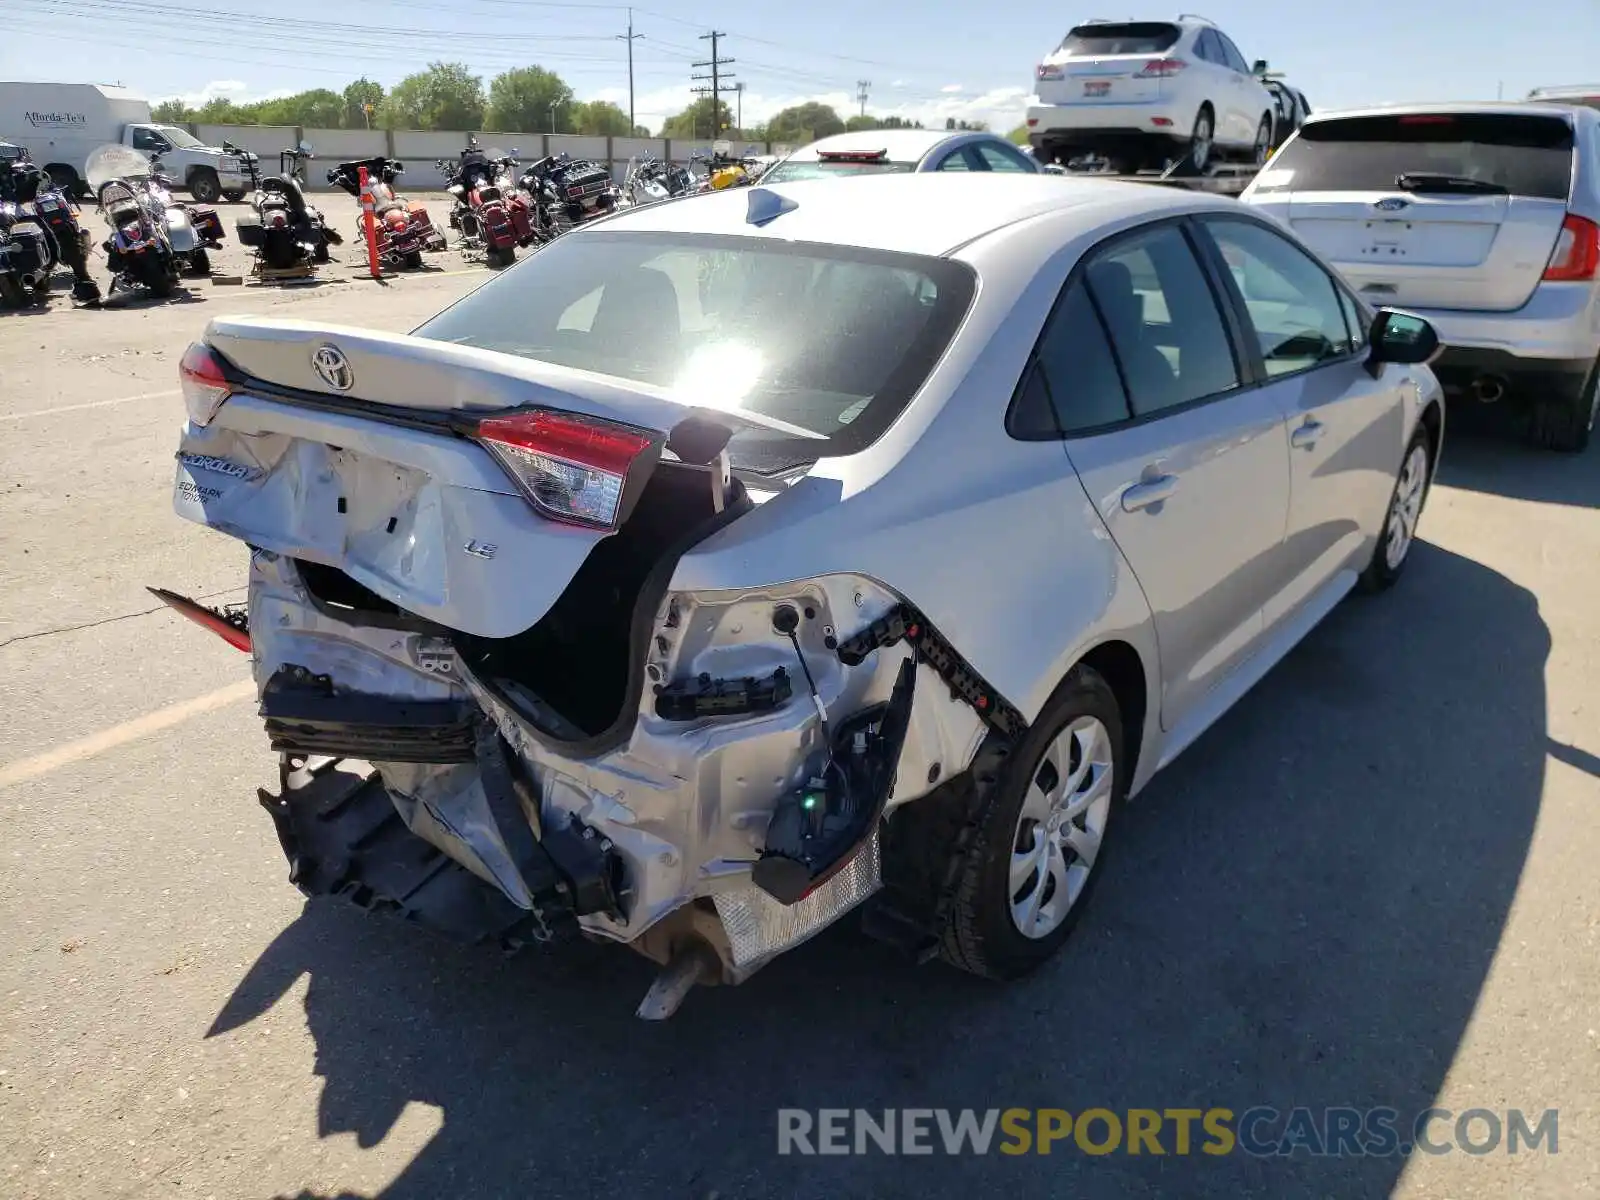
641	131
171	112
318	109
357	96
974	126
520	100
804	123
899	123
702	119
600	118
219	110
1019	135
445	96
860	123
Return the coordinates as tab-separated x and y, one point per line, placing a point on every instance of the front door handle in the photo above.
1148	491
1308	435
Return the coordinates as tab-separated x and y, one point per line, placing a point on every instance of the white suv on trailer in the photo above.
1485	219
1144	92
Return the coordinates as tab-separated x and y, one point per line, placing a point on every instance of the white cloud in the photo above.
951	88
898	83
232	89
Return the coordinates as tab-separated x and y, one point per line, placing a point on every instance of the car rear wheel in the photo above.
1566	424
1202	138
1405	507
1031	865
1263	146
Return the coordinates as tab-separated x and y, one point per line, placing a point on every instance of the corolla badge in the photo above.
1392	204
334	368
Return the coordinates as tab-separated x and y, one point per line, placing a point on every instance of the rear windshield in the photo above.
1129	37
790	172
1525	155
831	341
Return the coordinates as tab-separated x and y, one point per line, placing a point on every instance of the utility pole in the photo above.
630	37
716	77
738	121
862	87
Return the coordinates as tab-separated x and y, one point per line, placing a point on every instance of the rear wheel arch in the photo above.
1432	419
1124	671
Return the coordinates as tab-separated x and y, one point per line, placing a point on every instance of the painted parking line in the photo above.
25	769
70	408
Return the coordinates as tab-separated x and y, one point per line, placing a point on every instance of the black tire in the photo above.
1382	573
1202	152
158	280
414	260
1264	141
200	263
1566	424
12	294
501	258
204	186
41	289
321	253
981	936
68	180
233	197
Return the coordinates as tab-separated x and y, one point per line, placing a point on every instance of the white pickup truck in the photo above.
61	124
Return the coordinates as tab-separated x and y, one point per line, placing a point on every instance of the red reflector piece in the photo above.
237	636
1427	119
570	467
852	155
1162	121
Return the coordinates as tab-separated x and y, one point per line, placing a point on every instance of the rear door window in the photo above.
1123	37
1002	158
1231	53
1165	327
1523	154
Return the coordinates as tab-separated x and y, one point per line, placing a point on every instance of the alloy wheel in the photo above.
1406	506
1200	142
1060	827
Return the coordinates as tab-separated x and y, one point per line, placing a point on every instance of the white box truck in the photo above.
61	124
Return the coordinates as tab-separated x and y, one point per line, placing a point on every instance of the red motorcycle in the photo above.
404	228
492	214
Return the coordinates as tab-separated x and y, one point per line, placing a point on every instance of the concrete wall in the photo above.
419	149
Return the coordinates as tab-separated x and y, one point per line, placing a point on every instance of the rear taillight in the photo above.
573	469
204	386
1161	68
1050	71
1577	253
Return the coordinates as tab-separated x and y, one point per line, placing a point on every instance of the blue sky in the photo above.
931	60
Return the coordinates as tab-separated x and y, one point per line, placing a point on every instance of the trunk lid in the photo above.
1434	210
351	461
1103	63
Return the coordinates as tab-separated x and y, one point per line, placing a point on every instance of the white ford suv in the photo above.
1141	93
1485	219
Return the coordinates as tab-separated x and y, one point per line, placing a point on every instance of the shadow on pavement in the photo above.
1300	911
1487	451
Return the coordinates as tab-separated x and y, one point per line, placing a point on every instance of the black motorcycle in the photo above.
288	235
569	191
39	229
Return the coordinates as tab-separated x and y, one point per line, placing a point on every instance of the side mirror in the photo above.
305	148
1400	337
513	152
1259	67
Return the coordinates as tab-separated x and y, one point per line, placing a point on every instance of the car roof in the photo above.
1455	108
932	213
898	145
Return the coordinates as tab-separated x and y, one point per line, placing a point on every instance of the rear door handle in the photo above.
1308	435
1148	491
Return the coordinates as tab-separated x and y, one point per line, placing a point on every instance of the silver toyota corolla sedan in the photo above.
744	560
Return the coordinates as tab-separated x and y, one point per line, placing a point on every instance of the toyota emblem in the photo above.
334	368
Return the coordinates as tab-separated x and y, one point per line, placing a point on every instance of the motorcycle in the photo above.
39	229
724	169
569	191
404	228
492	215
288	235
140	250
649	181
194	229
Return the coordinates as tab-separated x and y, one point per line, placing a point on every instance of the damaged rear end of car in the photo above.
497	715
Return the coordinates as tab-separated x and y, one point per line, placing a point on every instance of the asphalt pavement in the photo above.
1372	884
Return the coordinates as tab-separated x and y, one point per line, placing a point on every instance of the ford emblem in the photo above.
334	368
1391	204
